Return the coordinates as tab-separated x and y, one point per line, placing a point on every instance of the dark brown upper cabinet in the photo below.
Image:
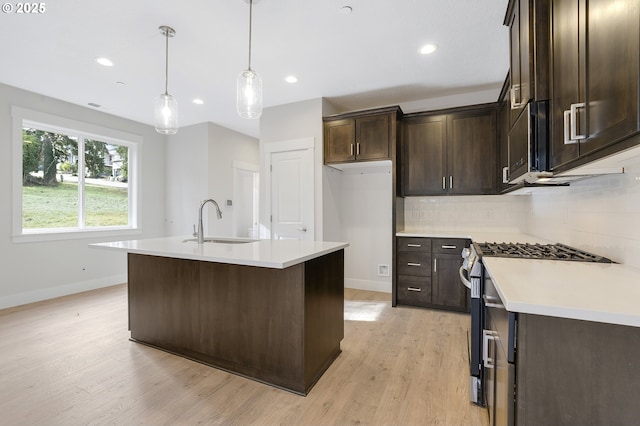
594	89
360	136
528	22
452	152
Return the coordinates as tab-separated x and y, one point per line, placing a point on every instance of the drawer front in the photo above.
413	290
414	244
449	245
414	263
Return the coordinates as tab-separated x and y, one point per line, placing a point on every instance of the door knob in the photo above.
301	229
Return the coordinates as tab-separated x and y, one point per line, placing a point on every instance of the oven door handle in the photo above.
490	302
464	279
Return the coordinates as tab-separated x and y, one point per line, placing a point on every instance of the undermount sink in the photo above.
221	240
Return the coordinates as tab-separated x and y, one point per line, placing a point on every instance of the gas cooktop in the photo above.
538	251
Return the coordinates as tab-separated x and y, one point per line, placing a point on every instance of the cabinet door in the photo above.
372	137
503	121
612	72
447	290
472	152
339	141
424	155
567	23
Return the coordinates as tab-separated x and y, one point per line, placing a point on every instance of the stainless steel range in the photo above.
485	303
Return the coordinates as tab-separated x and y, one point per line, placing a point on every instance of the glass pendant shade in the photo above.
249	94
166	114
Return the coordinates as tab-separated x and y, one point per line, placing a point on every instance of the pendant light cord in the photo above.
166	63
250	18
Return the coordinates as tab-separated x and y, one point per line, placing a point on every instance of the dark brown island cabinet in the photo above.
450	152
360	136
427	273
282	327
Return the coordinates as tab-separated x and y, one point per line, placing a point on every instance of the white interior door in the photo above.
246	179
292	194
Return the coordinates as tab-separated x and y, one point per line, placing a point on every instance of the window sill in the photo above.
55	235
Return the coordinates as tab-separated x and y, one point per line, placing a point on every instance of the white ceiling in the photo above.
365	59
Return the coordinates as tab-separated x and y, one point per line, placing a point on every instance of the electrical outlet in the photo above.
383	270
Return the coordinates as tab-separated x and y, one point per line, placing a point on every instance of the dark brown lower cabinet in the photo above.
278	326
572	372
414	291
427	273
447	289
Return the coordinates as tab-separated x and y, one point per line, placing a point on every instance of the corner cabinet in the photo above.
427	273
452	152
595	75
360	136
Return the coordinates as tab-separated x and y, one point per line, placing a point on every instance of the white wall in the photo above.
225	146
365	213
200	166
600	214
289	122
40	270
186	178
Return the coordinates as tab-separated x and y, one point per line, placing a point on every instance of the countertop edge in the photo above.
286	262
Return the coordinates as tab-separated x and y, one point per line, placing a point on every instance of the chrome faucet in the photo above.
200	227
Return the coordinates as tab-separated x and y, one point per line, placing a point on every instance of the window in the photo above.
74	179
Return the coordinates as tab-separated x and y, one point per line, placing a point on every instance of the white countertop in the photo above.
601	292
608	293
278	254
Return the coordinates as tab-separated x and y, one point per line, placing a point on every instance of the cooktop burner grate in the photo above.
538	251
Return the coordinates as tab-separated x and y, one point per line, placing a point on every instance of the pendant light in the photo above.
166	107
249	85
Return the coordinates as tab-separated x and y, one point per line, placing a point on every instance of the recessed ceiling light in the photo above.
291	79
198	101
345	10
428	48
104	61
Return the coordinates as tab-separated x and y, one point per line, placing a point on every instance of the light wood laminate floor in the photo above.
68	361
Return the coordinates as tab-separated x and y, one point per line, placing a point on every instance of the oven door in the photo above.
476	392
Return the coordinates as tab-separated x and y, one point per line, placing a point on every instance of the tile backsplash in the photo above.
486	212
599	214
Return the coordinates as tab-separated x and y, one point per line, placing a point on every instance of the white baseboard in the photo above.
64	290
381	286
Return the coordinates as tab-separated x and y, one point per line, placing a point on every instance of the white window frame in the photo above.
21	118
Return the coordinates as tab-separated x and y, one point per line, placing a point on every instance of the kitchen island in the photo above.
270	310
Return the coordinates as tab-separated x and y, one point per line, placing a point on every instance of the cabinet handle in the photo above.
488	336
505	174
351	150
358	148
414	289
450	182
492	302
414	245
567	125
514	103
435	265
574	121
444	182
449	247
414	264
